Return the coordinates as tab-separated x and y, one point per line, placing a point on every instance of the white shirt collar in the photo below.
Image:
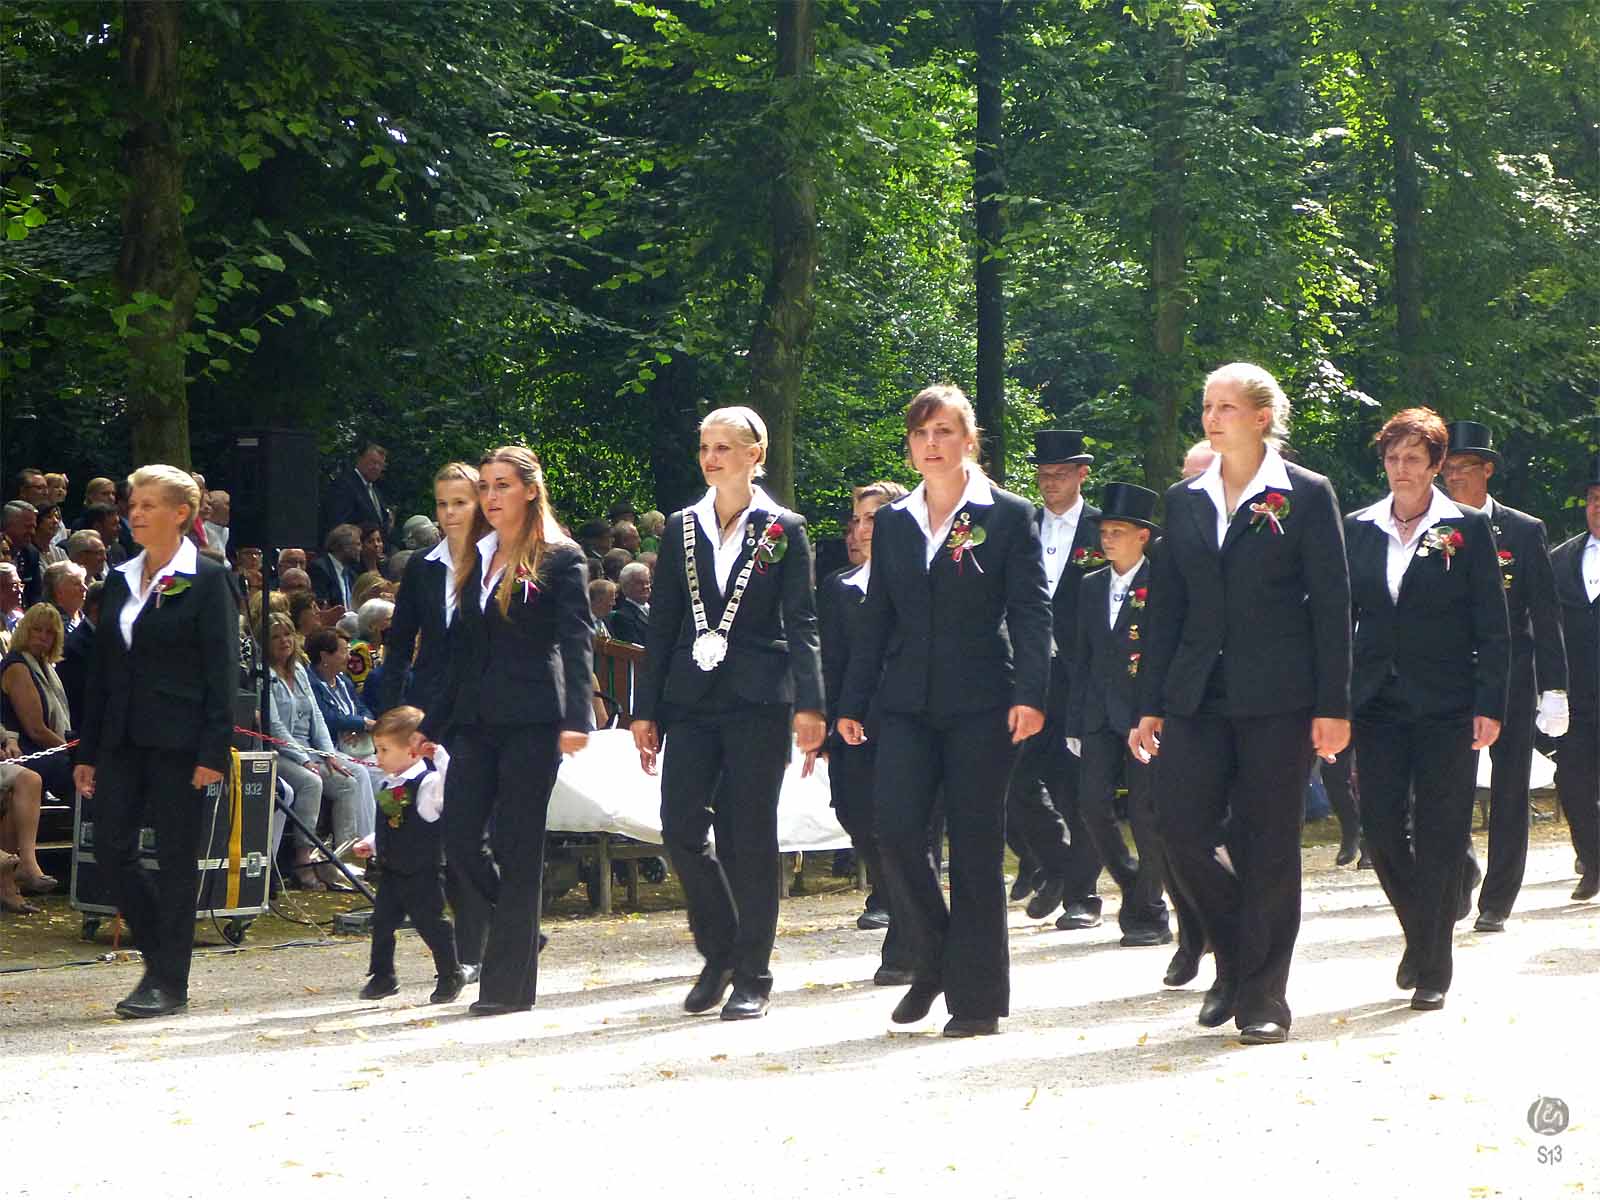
441	554
1119	583
415	771
1592	544
1381	514
1271	473
859	578
184	562
705	508
1072	516
977	491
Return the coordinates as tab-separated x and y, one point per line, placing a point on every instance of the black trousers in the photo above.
420	896
960	946
1578	785
129	782
850	774
1344	793
722	768
1044	823
1418	775
1105	758
1247	777
500	780
1511	759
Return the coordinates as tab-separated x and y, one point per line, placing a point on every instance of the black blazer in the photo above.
324	581
349	504
418	629
1105	658
1580	622
74	668
532	666
1270	610
174	688
773	656
1531	603
952	638
628	622
1064	600
1446	638
839	608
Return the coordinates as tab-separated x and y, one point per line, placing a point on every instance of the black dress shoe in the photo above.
1490	922
1078	916
380	986
971	1027
1048	898
544	940
1348	853
1364	863
708	990
893	977
916	1003
1406	977
1587	888
1147	937
1183	967
1263	1033
1217	1007
494	1008
873	918
1427	999
151	999
448	988
471	973
745	1004
1028	879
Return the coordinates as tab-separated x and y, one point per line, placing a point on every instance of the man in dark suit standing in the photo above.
1577	574
630	619
75	657
333	575
353	498
1538	670
1056	856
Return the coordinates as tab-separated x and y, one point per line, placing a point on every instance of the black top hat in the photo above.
1058	446
622	508
1593	477
1129	502
1471	437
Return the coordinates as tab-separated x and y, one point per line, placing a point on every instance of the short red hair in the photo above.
1423	424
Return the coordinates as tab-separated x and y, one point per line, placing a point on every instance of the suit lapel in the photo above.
1202	511
1127	613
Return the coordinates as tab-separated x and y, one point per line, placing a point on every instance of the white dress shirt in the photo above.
184	562
1056	534
726	553
430	792
1440	508
1120	585
441	554
977	491
1591	567
1270	474
487	545
859	578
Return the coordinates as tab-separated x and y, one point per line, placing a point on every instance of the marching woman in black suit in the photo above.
517	699
954	652
731	663
158	725
1246	674
1432	655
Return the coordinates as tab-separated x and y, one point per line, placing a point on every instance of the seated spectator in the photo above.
56	486
366	648
595	537
373	550
625	536
220	514
10	601
99	490
21	793
394	567
124	530
611	565
333	576
18	519
79	649
650	527
85	548
32	488
253	582
602	596
247	558
648	558
294	718
66	585
295	580
102	519
291	559
348	719
371	585
277	602
33	700
419	533
47	533
197	531
630	617
347	624
306	614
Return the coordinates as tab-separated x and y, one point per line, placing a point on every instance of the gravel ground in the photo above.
279	1077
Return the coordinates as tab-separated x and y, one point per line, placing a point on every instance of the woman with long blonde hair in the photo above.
517	699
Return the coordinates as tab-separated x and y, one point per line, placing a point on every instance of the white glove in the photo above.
1552	720
1075	746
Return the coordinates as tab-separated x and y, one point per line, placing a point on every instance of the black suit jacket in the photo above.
349	504
628	622
953	637
418	630
1270	610
1531	604
1580	622
839	608
30	569
325	584
1064	600
1106	658
531	666
1445	642
773	655
74	668
173	689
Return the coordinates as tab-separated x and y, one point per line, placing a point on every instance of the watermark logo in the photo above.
1549	1116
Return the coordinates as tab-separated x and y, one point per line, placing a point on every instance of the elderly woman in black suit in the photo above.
1432	656
731	664
158	725
1246	674
954	651
516	700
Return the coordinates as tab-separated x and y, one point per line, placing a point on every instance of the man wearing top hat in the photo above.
1577	573
1056	855
1538	681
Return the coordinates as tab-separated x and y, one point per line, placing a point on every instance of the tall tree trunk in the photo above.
988	186
1416	365
1164	380
783	328
154	260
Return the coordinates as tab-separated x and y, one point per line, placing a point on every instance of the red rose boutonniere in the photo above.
1270	510
170	585
1133	665
1507	561
524	580
1087	558
773	546
965	540
1442	539
1138	596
